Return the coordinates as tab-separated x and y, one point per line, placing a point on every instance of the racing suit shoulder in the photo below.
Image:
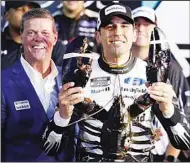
139	68
141	62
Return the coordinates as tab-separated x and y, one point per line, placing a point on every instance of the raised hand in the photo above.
68	97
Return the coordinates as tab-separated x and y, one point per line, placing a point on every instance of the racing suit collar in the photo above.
117	70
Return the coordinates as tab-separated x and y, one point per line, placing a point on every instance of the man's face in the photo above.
144	29
73	5
14	16
38	39
117	37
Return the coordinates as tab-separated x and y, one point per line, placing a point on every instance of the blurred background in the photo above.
173	19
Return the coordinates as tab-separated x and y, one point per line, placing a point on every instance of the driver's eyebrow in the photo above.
125	22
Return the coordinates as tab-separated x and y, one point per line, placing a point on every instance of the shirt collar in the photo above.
34	75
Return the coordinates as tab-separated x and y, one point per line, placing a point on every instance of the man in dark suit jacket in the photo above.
30	90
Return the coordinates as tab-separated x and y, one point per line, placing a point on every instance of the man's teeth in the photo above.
38	47
117	42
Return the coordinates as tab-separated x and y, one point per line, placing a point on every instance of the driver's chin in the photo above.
118	52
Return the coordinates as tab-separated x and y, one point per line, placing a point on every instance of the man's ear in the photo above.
135	35
97	36
21	36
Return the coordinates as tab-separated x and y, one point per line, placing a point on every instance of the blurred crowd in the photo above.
72	20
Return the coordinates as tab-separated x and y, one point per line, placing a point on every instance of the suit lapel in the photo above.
28	90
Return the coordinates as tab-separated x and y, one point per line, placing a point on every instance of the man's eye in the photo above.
30	33
45	33
125	25
109	27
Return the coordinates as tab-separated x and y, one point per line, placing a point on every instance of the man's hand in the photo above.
68	97
163	93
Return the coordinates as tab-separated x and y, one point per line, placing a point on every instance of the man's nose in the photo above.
140	27
118	30
38	36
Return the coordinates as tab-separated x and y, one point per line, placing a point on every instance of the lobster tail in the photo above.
114	133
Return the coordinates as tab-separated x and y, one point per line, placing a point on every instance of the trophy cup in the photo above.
156	71
77	67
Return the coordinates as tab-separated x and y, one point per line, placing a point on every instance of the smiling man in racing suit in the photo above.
122	128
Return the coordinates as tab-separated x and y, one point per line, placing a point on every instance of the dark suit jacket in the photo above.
23	118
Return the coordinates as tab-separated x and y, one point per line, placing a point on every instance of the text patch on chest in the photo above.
100	82
22	105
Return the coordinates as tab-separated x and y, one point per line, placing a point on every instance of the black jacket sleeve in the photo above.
177	126
181	87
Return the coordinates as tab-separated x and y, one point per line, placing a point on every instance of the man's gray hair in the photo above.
37	13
